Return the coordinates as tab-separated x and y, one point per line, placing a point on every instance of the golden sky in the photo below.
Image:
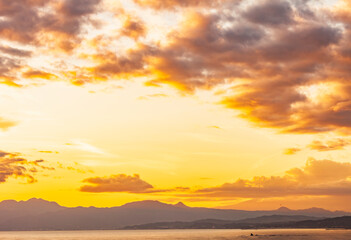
216	103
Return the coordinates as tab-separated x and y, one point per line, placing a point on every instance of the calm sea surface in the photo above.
181	234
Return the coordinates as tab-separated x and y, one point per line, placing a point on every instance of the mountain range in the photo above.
39	214
265	222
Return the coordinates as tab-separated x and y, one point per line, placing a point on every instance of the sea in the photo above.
290	234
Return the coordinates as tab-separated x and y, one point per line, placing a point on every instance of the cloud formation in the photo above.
28	21
6	124
316	178
117	183
280	73
171	4
291	151
335	144
133	28
271	13
12	165
15	51
322	146
284	64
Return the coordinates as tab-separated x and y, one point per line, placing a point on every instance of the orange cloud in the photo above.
11	165
117	183
41	25
278	64
76	168
49	152
26	23
133	28
294	57
125	183
6	124
156	95
316	178
335	144
38	74
291	151
171	4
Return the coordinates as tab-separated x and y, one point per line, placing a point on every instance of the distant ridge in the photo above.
265	222
39	214
181	205
283	209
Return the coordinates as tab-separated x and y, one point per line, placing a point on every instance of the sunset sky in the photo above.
217	103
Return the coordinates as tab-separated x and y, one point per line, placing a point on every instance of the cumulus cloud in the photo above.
279	73
285	63
133	28
334	144
125	183
117	183
38	25
271	12
27	21
12	165
316	178
318	182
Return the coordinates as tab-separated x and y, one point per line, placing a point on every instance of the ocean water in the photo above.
181	235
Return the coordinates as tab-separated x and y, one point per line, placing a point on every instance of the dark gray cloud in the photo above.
270	12
15	51
24	20
77	8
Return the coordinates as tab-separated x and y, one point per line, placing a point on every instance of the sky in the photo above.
216	103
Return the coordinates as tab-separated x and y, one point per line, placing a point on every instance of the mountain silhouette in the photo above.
267	221
38	214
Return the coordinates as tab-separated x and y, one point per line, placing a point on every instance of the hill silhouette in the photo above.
38	214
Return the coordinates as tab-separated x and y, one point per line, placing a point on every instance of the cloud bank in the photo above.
283	64
316	178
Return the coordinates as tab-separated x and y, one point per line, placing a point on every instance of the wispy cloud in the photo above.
331	145
292	151
84	146
6	124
